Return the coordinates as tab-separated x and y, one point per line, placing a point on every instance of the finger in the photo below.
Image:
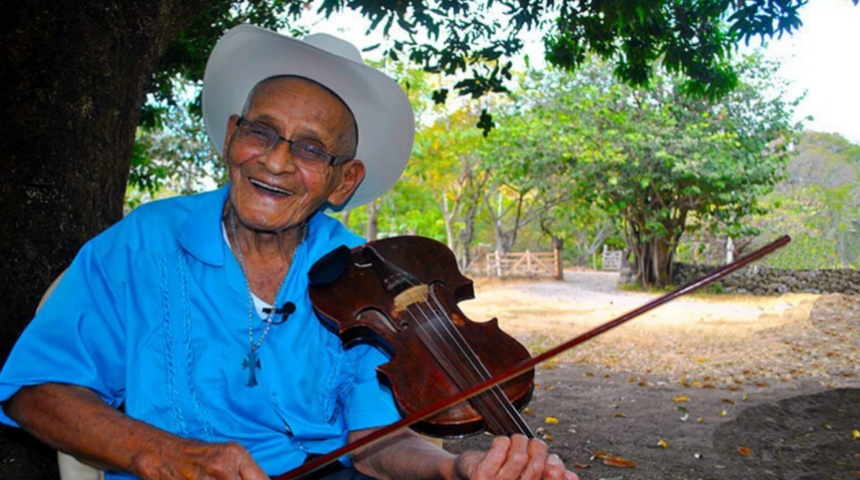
251	471
536	461
494	459
516	458
553	469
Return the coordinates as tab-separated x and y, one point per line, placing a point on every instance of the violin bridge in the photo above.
412	295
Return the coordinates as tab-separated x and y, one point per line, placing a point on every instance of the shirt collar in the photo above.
200	235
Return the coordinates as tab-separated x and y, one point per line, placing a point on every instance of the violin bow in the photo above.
386	431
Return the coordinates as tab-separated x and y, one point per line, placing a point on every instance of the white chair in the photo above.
70	467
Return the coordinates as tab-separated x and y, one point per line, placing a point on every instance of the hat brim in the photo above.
245	55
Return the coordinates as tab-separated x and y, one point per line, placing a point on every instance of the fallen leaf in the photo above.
548	437
700	419
728	400
855	434
618	462
600	454
619	415
548	366
582	466
527	411
589	374
551	420
663	443
681	398
701	359
745	451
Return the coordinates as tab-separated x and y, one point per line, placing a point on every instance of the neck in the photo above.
265	256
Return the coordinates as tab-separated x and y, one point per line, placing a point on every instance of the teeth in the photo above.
266	186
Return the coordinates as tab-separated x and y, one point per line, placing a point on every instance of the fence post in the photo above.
557	245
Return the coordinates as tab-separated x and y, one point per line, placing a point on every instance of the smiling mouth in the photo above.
269	188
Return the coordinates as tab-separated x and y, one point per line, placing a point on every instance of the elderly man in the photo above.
181	342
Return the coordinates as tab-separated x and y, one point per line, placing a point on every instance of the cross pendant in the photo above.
252	363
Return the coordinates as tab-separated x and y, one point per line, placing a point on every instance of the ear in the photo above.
351	175
231	128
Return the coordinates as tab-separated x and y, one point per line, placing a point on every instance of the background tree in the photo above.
446	161
819	203
682	164
665	163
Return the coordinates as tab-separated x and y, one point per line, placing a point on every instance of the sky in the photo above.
819	59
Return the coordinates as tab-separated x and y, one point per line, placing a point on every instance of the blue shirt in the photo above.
153	313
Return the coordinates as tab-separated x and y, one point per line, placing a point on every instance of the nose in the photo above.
279	159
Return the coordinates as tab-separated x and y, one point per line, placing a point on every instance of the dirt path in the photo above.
725	387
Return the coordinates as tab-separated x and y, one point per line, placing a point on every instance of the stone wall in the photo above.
763	280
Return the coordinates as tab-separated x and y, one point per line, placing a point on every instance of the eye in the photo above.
257	134
310	152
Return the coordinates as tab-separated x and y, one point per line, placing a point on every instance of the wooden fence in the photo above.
528	264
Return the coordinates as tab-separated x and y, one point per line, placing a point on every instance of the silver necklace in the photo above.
252	361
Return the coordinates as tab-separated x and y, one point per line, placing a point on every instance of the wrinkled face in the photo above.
269	190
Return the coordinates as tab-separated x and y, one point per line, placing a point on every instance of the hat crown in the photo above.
335	46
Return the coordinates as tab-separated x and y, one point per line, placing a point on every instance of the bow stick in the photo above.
384	432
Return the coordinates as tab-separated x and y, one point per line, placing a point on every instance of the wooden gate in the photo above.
527	264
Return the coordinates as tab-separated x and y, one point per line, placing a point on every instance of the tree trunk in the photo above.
654	261
73	77
558	249
372	231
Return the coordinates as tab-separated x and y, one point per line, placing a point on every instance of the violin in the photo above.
382	261
401	293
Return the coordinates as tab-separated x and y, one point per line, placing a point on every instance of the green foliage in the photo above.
659	160
692	39
696	150
477	38
818	205
178	158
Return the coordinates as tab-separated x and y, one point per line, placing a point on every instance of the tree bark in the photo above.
74	78
371	231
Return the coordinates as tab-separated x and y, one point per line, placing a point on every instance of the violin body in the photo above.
402	294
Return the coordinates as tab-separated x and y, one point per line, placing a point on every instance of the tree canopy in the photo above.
665	163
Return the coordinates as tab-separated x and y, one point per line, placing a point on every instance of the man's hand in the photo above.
75	420
513	458
192	459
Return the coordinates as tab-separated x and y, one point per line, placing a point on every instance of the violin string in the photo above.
425	331
508	409
499	400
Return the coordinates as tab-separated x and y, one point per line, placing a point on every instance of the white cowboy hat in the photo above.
386	126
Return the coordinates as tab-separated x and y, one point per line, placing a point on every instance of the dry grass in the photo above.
723	338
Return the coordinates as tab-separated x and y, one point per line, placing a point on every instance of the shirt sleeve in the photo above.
75	338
